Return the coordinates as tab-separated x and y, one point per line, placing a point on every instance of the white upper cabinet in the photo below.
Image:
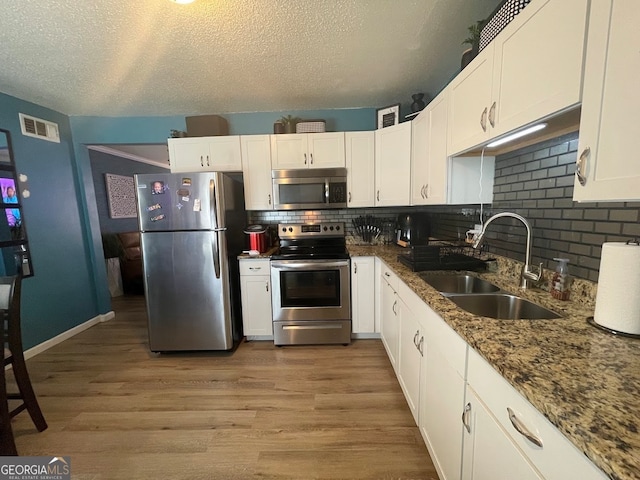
531	70
393	165
205	154
360	158
307	150
256	169
606	169
429	153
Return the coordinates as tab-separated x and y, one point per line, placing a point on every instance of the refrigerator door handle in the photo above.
214	227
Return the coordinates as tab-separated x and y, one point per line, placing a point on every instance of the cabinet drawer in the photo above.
254	266
389	276
557	458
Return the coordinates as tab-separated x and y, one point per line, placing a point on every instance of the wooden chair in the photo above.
11	336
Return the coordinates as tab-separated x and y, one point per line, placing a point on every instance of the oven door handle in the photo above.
304	265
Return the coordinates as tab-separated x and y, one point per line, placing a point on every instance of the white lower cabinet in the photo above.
362	295
389	314
255	288
411	347
442	395
475	425
521	426
489	454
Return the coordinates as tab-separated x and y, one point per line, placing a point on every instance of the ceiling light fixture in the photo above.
519	134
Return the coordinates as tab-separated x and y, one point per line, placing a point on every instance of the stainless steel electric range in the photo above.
311	287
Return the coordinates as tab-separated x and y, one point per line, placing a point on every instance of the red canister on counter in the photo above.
258	237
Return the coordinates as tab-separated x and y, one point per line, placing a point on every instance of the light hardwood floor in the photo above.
122	412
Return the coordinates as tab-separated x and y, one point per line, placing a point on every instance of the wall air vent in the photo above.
36	127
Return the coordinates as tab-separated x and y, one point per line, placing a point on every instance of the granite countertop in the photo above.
584	380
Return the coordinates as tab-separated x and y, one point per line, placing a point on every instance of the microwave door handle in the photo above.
326	191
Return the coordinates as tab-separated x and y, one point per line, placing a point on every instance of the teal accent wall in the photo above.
62	294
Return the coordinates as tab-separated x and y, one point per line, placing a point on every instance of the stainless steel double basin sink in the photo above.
483	298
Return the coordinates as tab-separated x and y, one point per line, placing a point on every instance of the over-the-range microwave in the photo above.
309	189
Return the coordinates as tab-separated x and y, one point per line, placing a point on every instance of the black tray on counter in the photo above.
436	257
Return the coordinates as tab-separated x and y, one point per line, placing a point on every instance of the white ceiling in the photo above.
155	57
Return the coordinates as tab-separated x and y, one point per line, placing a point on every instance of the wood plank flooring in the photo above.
122	412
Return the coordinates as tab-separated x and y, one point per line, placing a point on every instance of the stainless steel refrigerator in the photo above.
191	231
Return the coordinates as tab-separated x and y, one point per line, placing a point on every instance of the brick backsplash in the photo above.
535	182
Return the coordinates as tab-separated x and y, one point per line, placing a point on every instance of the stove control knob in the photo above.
290	229
284	229
331	228
338	227
324	228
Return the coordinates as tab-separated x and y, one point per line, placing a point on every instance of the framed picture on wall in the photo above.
121	195
388	116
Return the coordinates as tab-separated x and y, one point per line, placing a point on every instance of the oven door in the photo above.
309	290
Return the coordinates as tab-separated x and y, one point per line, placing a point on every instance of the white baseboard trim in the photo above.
47	344
365	336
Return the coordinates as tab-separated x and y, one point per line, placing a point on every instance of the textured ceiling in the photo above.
155	57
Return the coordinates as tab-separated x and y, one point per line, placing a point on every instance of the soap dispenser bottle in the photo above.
561	281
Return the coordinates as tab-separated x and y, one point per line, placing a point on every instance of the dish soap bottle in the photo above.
561	281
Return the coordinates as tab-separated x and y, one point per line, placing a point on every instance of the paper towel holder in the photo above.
591	321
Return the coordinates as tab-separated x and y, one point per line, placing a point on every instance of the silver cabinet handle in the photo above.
266	284
208	165
255	268
393	307
305	158
415	338
378	195
387	274
466	413
483	120
492	115
349	197
581	166
421	346
311	157
522	430
355	267
422	191
201	161
269	197
426	191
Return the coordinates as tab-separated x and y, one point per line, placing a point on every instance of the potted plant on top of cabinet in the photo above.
474	41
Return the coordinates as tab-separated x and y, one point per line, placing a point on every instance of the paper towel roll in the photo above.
618	296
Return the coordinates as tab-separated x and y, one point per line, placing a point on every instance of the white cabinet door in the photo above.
531	70
307	150
188	155
393	165
256	168
225	154
469	100
289	151
410	351
442	395
255	289
489	454
436	191
360	161
363	294
389	315
326	150
205	154
538	63
610	103
420	157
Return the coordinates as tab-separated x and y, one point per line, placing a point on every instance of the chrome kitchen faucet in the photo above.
527	277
